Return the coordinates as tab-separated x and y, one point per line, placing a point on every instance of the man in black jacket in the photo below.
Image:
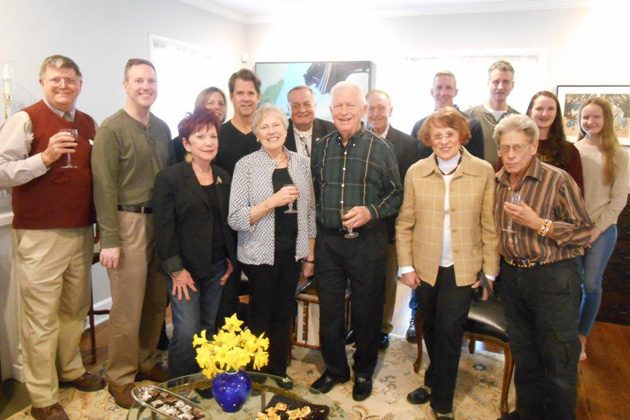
304	129
379	111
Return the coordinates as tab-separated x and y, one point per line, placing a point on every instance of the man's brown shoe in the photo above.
52	412
157	374
87	382
122	394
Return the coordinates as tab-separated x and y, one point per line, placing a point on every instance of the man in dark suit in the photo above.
304	129
379	110
444	90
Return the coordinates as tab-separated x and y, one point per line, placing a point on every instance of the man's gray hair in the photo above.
349	85
516	123
300	87
59	62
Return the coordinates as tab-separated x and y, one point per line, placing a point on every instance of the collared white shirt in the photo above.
304	141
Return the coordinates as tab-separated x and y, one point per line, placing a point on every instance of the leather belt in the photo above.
523	262
136	209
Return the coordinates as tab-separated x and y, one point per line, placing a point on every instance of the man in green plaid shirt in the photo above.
354	172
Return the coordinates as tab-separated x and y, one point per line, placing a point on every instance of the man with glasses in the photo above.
543	226
356	184
130	148
304	129
52	234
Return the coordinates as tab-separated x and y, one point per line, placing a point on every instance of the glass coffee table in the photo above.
197	387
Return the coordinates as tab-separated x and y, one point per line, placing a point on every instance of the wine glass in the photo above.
514	199
350	234
290	210
74	133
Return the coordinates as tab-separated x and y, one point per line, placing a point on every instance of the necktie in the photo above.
303	139
68	117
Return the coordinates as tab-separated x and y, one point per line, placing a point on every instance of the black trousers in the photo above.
362	261
444	310
272	305
542	306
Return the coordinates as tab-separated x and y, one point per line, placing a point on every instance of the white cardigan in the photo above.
251	185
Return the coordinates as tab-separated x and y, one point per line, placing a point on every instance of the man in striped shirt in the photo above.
543	226
353	170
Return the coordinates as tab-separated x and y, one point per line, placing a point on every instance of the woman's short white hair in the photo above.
265	110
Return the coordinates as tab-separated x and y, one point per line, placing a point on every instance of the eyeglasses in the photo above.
518	149
448	136
56	81
339	107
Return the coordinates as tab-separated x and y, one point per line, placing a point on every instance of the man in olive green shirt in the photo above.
130	148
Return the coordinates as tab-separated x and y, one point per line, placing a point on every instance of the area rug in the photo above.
477	396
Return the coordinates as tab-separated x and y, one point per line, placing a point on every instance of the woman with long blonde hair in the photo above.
605	166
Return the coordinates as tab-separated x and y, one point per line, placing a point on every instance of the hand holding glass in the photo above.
75	134
290	210
514	199
344	213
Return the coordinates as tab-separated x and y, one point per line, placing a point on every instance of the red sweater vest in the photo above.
61	198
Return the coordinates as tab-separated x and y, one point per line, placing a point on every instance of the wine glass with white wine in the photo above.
350	234
517	199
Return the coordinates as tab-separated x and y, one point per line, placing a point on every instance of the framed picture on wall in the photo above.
571	98
277	79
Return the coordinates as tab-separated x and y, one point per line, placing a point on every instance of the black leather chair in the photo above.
486	322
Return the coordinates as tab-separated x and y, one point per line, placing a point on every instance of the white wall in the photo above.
583	46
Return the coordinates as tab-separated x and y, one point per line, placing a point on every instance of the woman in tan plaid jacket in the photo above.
445	235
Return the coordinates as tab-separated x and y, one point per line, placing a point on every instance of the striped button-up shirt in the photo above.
364	173
552	194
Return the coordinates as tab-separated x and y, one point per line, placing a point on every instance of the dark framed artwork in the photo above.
571	98
279	78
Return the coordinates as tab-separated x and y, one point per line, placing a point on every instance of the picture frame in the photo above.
278	78
571	98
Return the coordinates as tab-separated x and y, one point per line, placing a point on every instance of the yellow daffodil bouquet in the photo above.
231	349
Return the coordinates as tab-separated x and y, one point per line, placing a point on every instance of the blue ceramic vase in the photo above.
231	390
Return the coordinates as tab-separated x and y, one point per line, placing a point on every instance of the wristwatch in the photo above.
176	273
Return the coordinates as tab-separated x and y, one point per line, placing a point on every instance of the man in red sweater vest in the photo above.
52	235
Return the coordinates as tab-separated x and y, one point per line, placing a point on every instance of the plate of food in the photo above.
168	404
281	407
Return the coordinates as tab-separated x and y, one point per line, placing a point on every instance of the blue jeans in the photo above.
192	316
594	262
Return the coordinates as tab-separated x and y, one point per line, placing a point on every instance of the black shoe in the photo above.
350	338
411	331
421	395
384	343
284	382
362	388
326	382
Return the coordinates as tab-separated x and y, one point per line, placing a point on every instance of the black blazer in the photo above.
320	129
181	217
406	150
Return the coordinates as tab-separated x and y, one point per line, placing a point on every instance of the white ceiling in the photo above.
268	11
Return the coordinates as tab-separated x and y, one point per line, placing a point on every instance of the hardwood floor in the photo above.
604	378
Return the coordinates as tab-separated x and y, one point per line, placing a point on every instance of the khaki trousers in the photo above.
391	283
52	268
138	301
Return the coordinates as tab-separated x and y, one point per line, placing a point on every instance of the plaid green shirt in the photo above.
364	173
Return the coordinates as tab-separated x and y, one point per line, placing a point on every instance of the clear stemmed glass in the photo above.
75	134
514	199
350	234
290	210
